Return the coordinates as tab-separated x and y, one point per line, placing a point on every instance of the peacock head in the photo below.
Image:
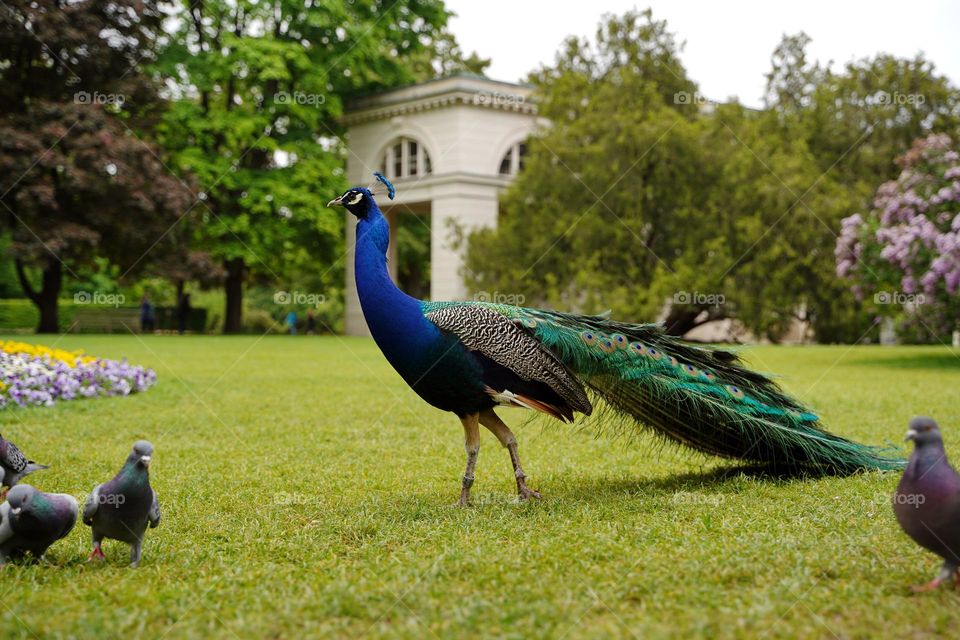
359	200
356	200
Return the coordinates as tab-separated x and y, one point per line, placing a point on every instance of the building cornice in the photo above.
407	186
470	91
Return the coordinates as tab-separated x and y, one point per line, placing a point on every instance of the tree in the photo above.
622	131
643	198
76	181
906	249
260	88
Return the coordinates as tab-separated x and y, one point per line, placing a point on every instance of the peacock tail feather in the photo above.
698	396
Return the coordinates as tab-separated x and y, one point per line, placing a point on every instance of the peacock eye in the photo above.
357	198
736	392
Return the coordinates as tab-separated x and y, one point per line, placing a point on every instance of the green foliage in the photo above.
640	195
262	87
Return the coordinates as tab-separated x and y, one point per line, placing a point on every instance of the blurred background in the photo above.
740	172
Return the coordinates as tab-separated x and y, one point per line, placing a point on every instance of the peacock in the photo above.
471	358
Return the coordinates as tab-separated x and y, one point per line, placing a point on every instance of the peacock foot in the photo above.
525	492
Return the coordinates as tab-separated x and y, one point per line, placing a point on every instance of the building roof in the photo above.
462	88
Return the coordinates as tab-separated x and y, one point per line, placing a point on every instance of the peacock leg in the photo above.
471	433
492	421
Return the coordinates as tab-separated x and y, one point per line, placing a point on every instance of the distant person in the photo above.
292	323
311	322
183	313
148	315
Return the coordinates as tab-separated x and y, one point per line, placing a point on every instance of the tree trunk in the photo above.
682	319
45	299
233	287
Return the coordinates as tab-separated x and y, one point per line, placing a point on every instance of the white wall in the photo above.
466	144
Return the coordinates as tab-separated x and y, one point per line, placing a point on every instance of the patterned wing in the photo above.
12	458
494	335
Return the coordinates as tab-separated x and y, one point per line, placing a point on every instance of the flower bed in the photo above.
37	375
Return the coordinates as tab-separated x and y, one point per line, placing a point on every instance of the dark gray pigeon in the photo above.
14	465
927	500
121	508
31	520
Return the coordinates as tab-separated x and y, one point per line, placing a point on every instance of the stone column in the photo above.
478	209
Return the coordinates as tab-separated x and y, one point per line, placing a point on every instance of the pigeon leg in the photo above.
948	569
97	553
492	421
471	433
135	550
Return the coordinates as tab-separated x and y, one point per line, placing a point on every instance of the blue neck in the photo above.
395	319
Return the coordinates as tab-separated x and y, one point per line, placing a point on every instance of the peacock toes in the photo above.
471	435
492	421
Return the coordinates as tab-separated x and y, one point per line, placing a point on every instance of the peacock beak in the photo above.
336	202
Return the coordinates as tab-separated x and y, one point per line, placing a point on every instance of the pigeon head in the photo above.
141	454
20	498
357	200
924	432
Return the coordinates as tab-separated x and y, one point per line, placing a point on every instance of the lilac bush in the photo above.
41	379
909	242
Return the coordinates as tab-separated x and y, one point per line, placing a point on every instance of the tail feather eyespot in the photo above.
736	392
589	338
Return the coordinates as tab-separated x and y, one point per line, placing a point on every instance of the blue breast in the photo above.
434	364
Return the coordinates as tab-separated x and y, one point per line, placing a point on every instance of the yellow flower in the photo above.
70	358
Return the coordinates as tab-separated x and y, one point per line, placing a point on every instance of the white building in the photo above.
450	146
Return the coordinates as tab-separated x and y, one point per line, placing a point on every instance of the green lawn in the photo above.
306	491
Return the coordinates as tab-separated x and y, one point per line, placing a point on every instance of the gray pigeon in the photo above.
14	465
31	520
121	508
927	500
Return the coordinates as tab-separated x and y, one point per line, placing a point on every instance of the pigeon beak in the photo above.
145	460
15	511
336	202
911	435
